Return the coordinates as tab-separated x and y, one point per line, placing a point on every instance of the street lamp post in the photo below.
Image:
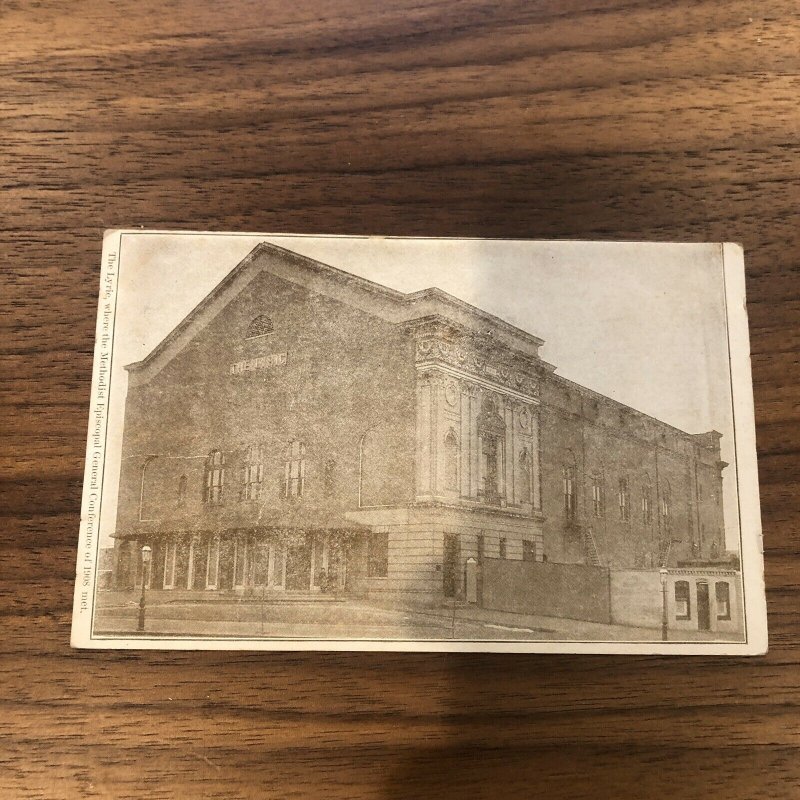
147	553
662	573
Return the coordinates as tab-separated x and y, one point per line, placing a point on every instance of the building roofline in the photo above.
135	366
435	293
403	303
624	406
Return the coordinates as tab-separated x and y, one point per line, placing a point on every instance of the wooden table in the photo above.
568	118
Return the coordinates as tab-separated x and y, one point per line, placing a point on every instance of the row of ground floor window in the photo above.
313	561
306	561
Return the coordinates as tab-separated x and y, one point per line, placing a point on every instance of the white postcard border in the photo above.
751	547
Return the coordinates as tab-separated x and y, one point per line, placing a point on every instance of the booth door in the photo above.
703	608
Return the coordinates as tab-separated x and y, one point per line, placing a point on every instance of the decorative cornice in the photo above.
440	346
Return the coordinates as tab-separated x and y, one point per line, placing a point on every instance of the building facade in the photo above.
305	430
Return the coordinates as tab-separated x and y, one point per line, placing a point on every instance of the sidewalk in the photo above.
560	627
361	619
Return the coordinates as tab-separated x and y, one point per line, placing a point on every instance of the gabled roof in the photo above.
389	304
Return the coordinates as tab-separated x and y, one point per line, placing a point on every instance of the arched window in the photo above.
624	501
260	326
665	503
329	478
214	483
647	511
182	483
492	434
598	496
253	472
525	475
295	469
451	455
570	489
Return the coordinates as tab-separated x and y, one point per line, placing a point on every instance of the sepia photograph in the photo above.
331	442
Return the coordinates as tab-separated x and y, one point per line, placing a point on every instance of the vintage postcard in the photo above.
375	443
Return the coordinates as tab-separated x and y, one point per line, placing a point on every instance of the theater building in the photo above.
305	430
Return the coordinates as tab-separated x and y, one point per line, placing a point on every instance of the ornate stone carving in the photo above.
498	365
470	389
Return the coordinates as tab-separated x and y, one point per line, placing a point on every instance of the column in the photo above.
270	578
536	459
313	559
467	443
438	432
423	437
475	444
509	417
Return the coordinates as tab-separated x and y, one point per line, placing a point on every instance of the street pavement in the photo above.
117	614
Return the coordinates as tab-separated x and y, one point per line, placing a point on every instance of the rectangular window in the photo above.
319	573
239	561
723	593
295	470
647	514
212	564
253	473
683	609
214	484
597	497
378	555
170	557
260	556
503	547
624	510
569	492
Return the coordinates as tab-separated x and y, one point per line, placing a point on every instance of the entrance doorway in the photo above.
450	564
703	608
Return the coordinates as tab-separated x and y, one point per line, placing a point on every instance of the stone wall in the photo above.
572	591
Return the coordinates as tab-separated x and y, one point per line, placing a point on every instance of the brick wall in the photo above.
345	371
608	441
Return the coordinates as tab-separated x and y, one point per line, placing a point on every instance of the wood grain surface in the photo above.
648	119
